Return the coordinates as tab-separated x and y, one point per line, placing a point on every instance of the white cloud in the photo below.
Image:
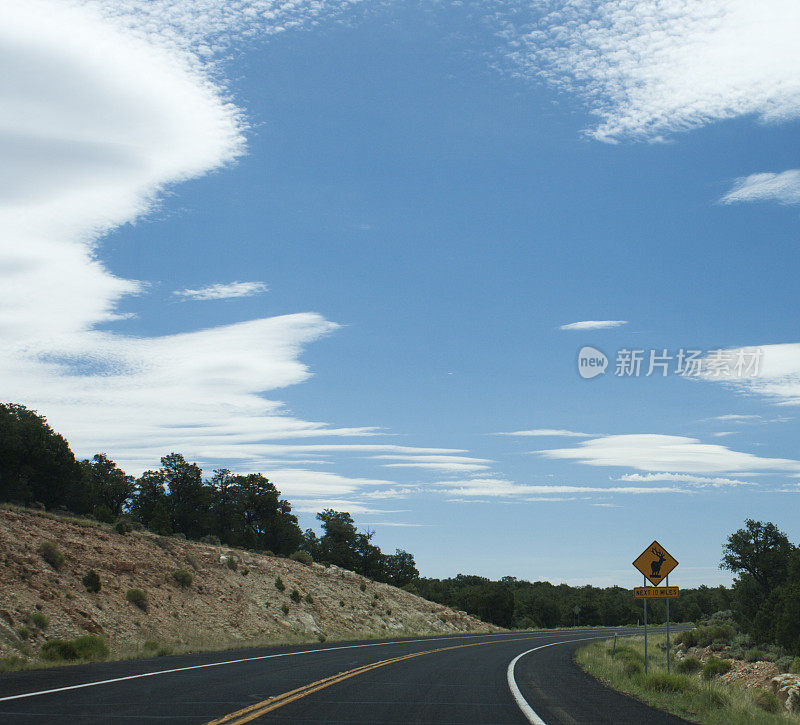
545	432
651	67
498	487
782	187
715	481
736	417
652	452
593	325
222	291
776	376
313	506
455	464
452	467
109	103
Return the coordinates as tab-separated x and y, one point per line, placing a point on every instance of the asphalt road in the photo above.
457	679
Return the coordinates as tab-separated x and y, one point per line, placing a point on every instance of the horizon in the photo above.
515	288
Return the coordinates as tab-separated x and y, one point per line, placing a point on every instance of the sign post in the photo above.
645	631
668	658
655	563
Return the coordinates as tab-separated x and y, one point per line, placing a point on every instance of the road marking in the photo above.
251	712
522	703
230	662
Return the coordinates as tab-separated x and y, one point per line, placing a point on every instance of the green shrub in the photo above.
755	655
363	586
164	652
667	682
321	637
767	701
688	666
91	581
309	599
245	571
388	612
341	604
794	668
233	565
303	557
50	553
150	645
103	513
57	650
632	669
295	596
23	633
712	698
279	585
90	647
183	577
11	663
285	609
123	526
211	539
138	598
715	667
40	620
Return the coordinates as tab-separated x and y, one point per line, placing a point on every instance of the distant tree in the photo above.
150	504
36	463
108	485
401	568
188	498
759	550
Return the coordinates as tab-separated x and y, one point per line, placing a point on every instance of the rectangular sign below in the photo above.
655	592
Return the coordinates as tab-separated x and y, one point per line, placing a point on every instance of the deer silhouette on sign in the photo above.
655	566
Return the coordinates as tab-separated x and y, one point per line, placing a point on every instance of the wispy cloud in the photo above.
652	67
222	291
593	325
545	432
502	488
654	453
715	481
776	378
783	187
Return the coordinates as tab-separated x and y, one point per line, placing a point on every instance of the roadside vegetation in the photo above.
693	692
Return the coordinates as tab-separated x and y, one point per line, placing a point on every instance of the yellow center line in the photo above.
252	712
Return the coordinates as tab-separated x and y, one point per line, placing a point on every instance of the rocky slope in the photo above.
234	596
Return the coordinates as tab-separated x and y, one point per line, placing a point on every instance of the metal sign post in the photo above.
645	630
668	658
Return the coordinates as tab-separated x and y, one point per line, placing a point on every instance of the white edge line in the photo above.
233	662
522	703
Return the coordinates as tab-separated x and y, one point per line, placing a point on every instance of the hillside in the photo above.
232	598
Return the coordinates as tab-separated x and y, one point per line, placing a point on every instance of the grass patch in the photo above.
684	691
183	577
88	648
138	598
50	553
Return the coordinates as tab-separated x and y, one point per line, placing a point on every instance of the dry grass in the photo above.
687	695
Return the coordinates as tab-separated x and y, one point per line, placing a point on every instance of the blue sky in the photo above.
337	243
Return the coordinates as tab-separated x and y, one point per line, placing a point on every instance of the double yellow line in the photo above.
273	703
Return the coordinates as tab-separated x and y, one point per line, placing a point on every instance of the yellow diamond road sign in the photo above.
655	562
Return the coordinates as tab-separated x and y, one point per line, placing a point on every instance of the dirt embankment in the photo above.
222	606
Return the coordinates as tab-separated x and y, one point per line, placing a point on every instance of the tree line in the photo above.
38	468
511	602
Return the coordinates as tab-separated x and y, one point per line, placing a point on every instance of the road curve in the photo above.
460	679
